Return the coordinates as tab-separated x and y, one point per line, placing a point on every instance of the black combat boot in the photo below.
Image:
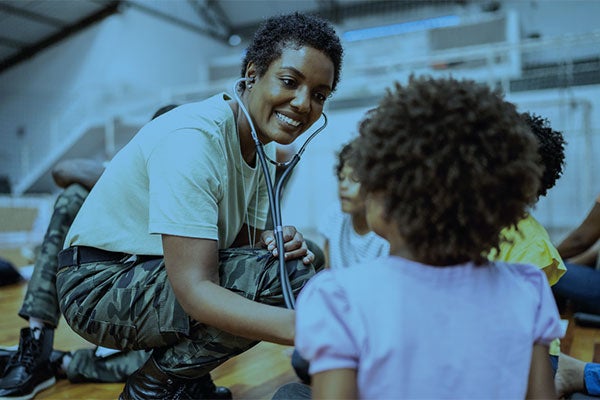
29	369
151	382
5	354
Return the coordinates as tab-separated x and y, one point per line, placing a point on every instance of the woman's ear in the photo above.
251	72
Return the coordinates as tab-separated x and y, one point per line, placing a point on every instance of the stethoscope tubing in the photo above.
275	194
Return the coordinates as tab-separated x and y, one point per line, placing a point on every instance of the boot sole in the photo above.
42	386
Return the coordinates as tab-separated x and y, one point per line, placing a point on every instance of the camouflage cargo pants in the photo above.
41	298
131	305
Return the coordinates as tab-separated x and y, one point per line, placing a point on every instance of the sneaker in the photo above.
151	382
29	370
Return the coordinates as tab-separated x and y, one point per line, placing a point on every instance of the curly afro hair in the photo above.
344	157
455	163
293	30
551	150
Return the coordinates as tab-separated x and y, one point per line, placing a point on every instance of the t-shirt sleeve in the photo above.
331	222
541	254
185	190
547	322
326	325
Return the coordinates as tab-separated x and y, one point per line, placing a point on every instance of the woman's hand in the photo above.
293	244
193	269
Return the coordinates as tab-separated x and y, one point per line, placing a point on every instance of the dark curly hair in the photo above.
344	157
551	150
455	162
293	30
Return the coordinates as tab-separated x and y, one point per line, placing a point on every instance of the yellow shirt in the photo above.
531	244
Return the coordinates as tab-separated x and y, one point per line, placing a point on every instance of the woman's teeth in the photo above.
287	120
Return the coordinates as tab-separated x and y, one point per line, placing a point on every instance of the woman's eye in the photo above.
288	82
320	97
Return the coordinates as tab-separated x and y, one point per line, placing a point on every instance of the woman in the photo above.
154	259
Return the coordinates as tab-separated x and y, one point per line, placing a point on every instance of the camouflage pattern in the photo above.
131	305
40	299
85	366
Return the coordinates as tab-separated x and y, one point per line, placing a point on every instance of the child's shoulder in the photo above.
525	272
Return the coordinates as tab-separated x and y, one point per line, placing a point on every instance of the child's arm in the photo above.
541	383
335	384
588	257
584	236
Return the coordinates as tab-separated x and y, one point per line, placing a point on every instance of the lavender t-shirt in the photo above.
417	331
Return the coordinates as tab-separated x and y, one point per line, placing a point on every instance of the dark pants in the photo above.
580	285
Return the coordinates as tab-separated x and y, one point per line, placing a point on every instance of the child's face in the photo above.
349	192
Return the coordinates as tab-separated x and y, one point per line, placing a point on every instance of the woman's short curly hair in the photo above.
293	30
551	149
455	162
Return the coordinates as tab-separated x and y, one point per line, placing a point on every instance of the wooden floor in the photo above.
255	374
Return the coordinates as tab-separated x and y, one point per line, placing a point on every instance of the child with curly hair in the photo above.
348	238
528	241
445	164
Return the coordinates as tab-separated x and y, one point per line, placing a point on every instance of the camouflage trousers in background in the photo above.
86	366
131	305
41	298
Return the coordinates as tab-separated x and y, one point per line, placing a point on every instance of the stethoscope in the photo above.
275	193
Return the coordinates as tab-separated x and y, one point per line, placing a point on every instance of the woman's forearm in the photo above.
218	307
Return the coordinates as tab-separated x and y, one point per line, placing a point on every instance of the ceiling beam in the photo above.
213	15
8	42
29	51
28	14
176	21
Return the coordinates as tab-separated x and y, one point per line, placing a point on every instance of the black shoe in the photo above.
150	382
29	370
205	388
5	354
56	359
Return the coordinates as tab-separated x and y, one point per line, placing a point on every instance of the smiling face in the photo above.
290	96
349	192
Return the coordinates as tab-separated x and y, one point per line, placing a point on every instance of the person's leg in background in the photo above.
35	365
293	391
87	366
576	379
581	286
30	369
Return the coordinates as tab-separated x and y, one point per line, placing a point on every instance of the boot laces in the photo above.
27	353
179	392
